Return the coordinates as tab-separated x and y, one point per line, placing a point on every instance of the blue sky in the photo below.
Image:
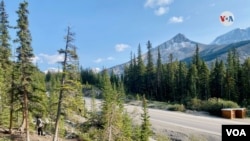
107	31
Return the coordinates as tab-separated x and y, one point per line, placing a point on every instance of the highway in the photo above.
186	122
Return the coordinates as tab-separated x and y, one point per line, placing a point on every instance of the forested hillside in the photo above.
180	82
27	94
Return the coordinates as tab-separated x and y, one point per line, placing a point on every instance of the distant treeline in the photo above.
178	81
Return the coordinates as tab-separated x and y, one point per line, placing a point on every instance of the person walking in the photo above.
39	125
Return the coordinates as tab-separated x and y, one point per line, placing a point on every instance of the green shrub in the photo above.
177	107
161	137
84	137
194	104
214	105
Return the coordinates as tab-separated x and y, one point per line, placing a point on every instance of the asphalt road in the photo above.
164	119
211	125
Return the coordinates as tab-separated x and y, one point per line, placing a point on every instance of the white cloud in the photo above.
121	47
36	59
161	11
176	19
53	70
98	60
156	3
51	59
160	6
149	3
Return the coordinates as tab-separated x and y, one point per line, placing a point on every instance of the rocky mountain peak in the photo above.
179	38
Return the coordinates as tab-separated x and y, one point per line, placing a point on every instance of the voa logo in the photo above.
236	132
227	18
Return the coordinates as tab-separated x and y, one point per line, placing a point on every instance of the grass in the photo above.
5	139
158	105
196	138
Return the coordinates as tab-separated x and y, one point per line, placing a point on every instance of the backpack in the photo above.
39	122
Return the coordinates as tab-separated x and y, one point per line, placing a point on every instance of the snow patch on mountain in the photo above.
233	36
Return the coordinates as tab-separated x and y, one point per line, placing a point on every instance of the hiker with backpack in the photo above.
39	125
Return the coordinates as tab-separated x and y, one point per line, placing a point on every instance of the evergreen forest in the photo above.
180	82
27	93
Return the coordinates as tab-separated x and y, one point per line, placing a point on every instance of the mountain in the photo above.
214	52
180	46
233	36
183	48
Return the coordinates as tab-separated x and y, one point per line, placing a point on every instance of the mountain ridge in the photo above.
233	36
182	49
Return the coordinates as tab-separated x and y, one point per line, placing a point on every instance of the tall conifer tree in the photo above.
24	58
150	71
204	81
140	71
230	82
5	64
5	50
217	79
146	125
112	108
159	76
70	79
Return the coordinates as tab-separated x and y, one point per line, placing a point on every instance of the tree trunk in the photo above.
22	126
11	103
11	112
26	116
58	116
25	122
62	85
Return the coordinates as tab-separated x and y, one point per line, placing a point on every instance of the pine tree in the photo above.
126	127
196	58
217	79
150	71
237	74
181	81
230	82
52	89
24	55
5	64
197	61
140	72
13	93
70	79
38	101
192	78
112	108
170	77
159	76
145	126
245	94
5	51
129	78
204	81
